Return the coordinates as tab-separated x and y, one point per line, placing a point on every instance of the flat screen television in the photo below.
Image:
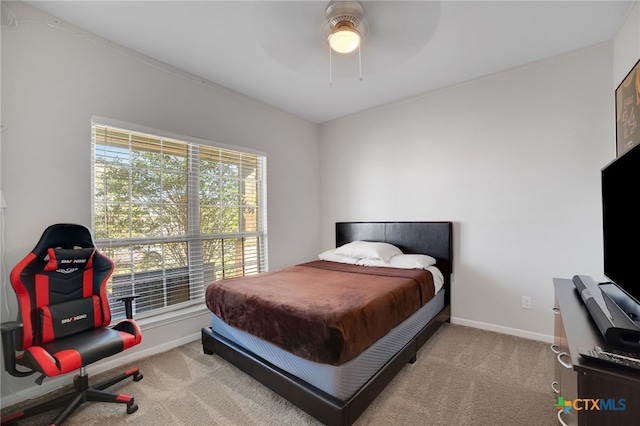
621	221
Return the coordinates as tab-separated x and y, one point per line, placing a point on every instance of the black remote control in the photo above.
612	356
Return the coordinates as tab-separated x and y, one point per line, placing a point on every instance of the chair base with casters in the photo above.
82	393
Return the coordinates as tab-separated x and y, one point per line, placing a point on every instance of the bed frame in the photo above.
433	238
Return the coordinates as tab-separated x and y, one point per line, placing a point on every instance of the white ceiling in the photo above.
276	51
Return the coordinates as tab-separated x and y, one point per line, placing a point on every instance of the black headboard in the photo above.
432	238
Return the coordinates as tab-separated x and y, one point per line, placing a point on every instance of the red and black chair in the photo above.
63	321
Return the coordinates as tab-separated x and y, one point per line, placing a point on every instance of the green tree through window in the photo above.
174	215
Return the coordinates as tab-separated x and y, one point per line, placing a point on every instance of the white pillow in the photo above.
402	261
373	262
331	256
412	261
368	250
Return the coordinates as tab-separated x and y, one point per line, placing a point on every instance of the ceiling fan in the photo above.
347	24
299	35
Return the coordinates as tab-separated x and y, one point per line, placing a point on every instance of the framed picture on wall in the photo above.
628	111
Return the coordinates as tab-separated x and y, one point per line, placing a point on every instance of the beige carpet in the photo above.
463	376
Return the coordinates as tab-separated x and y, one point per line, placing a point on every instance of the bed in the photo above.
336	388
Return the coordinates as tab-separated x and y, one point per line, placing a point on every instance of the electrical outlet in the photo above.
526	302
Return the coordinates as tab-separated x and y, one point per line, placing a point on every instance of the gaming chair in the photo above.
63	320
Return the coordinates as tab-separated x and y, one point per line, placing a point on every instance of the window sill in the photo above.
165	318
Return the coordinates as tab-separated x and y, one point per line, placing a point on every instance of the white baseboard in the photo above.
100	367
502	329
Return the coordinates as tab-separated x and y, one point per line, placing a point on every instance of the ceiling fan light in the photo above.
344	39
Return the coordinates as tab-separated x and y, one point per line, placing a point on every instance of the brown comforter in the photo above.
322	311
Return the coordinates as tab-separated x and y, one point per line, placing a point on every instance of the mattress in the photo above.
323	311
340	381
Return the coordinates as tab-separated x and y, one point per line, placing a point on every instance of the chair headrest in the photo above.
63	236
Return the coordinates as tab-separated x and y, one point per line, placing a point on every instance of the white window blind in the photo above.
174	215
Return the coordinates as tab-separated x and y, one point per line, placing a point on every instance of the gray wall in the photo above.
513	159
55	77
627	45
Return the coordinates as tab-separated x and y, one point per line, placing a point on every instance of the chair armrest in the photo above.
128	305
9	330
10	326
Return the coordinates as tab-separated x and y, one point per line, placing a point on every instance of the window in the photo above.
174	215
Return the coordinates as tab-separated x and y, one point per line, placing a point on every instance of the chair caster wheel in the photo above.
137	377
132	408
